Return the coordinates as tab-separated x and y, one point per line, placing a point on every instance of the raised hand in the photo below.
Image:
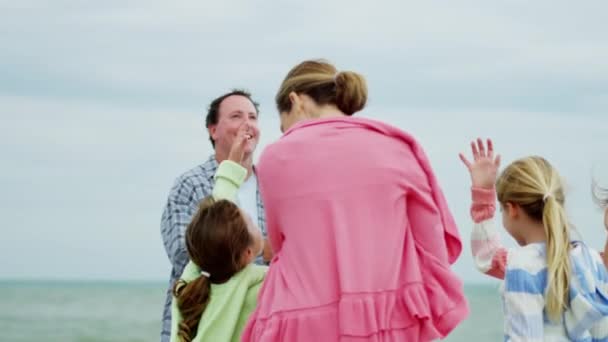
484	167
244	135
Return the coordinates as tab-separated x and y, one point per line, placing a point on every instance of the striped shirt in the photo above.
188	190
524	271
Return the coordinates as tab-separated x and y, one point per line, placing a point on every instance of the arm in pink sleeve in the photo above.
489	255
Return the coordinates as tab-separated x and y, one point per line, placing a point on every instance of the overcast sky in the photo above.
102	106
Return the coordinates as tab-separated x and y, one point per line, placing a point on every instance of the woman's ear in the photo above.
296	102
294	98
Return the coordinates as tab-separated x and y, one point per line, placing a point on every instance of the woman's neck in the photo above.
328	111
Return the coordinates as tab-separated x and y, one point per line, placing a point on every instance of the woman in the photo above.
360	230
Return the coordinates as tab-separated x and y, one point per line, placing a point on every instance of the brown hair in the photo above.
321	81
215	239
534	185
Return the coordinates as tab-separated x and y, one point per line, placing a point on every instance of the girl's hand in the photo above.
484	167
245	134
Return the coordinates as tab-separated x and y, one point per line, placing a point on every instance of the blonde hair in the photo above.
534	185
321	81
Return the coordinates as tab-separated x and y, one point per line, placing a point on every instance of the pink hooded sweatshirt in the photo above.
362	235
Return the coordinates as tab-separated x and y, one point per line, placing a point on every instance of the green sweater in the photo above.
232	302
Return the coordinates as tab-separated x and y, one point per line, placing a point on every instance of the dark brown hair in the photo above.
215	239
321	81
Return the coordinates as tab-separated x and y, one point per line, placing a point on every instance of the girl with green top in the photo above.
219	287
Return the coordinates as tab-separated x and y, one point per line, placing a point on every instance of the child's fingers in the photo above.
465	161
474	150
482	150
490	148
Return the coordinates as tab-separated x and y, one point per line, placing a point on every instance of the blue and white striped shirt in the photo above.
525	285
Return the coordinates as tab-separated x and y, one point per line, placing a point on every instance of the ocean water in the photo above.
130	312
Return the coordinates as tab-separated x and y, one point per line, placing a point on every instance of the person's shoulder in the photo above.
391	134
271	150
530	258
381	126
251	275
255	272
200	174
586	257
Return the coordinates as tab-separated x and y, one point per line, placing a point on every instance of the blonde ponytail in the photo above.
558	258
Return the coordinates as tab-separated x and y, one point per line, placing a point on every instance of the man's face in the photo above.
234	111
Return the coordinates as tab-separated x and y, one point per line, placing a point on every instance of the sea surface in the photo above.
36	311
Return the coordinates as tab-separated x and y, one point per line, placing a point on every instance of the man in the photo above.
226	114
